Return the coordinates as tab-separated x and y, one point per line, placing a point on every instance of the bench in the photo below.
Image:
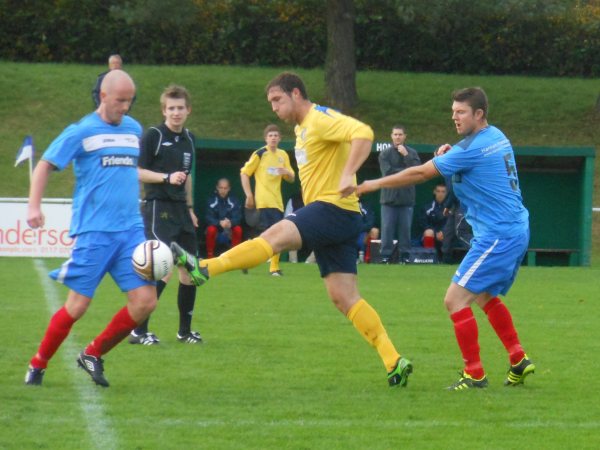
567	254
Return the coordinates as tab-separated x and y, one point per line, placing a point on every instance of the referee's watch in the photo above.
166	178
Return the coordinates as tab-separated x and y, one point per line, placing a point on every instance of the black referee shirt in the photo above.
165	151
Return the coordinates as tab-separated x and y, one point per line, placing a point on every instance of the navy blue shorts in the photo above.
331	232
268	217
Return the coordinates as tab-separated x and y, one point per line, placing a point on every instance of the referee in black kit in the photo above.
166	160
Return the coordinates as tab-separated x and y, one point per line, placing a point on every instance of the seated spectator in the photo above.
457	231
368	233
432	219
223	218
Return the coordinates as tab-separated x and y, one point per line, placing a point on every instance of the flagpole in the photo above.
31	161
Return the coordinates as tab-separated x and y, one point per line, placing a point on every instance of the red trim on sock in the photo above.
58	329
117	330
467	335
502	323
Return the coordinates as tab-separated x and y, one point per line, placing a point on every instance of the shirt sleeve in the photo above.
66	147
337	127
456	160
251	165
148	145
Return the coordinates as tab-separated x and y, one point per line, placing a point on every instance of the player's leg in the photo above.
343	291
186	292
211	240
268	218
58	329
458	303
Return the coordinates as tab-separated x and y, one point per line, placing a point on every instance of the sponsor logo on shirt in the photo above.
119	160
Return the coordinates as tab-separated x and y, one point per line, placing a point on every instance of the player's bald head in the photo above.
116	80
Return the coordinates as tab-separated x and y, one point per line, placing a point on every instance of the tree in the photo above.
340	60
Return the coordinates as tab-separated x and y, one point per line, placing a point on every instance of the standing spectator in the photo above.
223	218
330	148
484	175
397	204
165	166
115	62
269	165
106	222
432	219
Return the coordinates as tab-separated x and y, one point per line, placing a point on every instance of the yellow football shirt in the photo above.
262	164
322	149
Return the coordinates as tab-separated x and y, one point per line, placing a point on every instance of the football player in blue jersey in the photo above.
485	180
106	223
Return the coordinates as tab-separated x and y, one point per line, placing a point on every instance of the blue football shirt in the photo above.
105	158
485	180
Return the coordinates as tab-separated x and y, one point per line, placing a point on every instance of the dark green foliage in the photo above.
541	37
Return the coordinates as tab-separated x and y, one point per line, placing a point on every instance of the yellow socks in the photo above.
246	255
366	320
274	263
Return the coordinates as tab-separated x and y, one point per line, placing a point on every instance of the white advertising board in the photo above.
18	239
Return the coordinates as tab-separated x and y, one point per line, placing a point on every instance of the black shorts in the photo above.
170	221
268	217
332	233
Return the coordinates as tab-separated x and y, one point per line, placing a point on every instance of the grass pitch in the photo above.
281	368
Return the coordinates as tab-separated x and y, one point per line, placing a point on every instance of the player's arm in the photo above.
245	180
148	144
189	200
39	181
408	177
288	173
359	152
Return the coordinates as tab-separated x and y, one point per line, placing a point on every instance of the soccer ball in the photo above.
152	260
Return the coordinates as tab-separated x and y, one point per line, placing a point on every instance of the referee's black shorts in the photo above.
170	221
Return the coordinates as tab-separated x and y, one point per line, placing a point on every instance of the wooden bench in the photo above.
570	253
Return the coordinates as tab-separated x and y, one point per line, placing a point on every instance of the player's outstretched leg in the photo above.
399	376
198	275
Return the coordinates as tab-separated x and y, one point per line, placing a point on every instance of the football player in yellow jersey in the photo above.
269	165
330	148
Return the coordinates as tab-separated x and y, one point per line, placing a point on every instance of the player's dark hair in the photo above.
475	97
287	82
271	128
177	92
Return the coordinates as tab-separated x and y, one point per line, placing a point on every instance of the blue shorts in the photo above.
332	233
491	265
268	217
94	254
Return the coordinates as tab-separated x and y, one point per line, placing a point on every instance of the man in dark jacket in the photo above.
432	219
397	204
223	218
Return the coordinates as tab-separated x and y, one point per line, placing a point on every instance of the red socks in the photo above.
117	330
58	329
467	334
428	242
501	321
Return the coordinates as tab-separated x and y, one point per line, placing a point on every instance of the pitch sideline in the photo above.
100	429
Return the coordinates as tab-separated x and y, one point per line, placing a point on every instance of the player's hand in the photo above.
177	178
366	187
442	149
347	186
35	217
250	202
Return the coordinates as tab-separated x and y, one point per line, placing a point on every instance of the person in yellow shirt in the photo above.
330	148
269	165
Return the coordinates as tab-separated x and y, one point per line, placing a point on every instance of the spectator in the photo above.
269	165
114	62
397	203
223	218
457	231
368	233
432	219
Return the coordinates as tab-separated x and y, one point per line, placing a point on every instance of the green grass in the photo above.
281	368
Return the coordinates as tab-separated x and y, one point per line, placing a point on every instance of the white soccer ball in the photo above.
152	260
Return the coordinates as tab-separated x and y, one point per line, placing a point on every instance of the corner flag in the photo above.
26	151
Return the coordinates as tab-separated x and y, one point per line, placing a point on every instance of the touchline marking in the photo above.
100	430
